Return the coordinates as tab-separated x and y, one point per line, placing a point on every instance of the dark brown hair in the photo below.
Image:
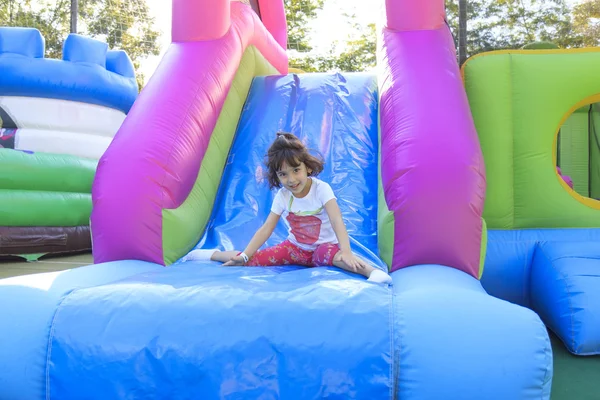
289	149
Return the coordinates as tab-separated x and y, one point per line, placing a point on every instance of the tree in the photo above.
586	24
126	25
298	14
503	24
123	24
359	54
356	54
462	31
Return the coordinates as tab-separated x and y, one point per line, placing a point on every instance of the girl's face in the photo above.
295	179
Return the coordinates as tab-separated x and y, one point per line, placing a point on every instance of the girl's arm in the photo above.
337	223
259	238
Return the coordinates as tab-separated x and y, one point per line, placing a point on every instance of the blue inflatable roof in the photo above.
88	73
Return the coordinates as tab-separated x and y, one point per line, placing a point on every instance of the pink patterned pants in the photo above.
287	253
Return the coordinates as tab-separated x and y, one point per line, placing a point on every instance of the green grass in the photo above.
575	378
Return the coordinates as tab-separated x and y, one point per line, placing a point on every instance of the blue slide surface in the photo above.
336	116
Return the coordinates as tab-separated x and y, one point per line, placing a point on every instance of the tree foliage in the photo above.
586	23
358	53
298	14
509	24
123	24
492	25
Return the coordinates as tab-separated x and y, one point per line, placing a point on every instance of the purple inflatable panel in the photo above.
155	157
432	166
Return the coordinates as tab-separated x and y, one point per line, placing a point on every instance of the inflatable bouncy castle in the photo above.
536	111
185	171
57	117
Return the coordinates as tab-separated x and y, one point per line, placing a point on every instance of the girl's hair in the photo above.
289	149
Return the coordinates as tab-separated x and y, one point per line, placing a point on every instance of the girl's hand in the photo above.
237	260
353	262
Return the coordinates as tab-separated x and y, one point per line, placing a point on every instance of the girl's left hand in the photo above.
352	261
237	260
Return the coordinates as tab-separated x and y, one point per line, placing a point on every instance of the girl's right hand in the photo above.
234	261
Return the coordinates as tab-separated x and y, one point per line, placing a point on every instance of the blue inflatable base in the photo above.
555	272
199	330
214	332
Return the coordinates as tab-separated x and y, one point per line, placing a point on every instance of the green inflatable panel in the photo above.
519	99
40	189
37	208
50	172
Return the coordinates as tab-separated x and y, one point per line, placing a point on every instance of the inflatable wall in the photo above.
543	242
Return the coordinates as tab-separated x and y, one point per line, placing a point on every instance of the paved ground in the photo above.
46	264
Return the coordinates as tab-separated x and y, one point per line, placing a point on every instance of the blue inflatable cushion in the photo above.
565	288
81	49
507	272
118	61
26	42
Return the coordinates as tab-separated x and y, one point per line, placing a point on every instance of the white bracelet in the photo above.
244	256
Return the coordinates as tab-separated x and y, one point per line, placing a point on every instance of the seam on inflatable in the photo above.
50	336
528	271
549	360
206	198
513	208
567	288
398	343
578	257
392	118
392	352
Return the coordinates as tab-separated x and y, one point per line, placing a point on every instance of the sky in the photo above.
329	26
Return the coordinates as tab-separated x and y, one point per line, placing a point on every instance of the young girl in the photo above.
317	233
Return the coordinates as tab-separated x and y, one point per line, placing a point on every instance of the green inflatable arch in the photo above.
519	100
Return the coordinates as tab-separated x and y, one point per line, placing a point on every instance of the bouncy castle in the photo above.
57	117
404	149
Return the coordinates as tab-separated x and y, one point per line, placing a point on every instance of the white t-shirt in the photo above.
307	221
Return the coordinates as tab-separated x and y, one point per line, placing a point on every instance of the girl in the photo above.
317	233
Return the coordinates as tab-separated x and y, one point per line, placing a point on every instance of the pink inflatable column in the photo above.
432	166
272	14
195	20
409	15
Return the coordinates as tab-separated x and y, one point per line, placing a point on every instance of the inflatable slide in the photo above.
185	171
57	117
